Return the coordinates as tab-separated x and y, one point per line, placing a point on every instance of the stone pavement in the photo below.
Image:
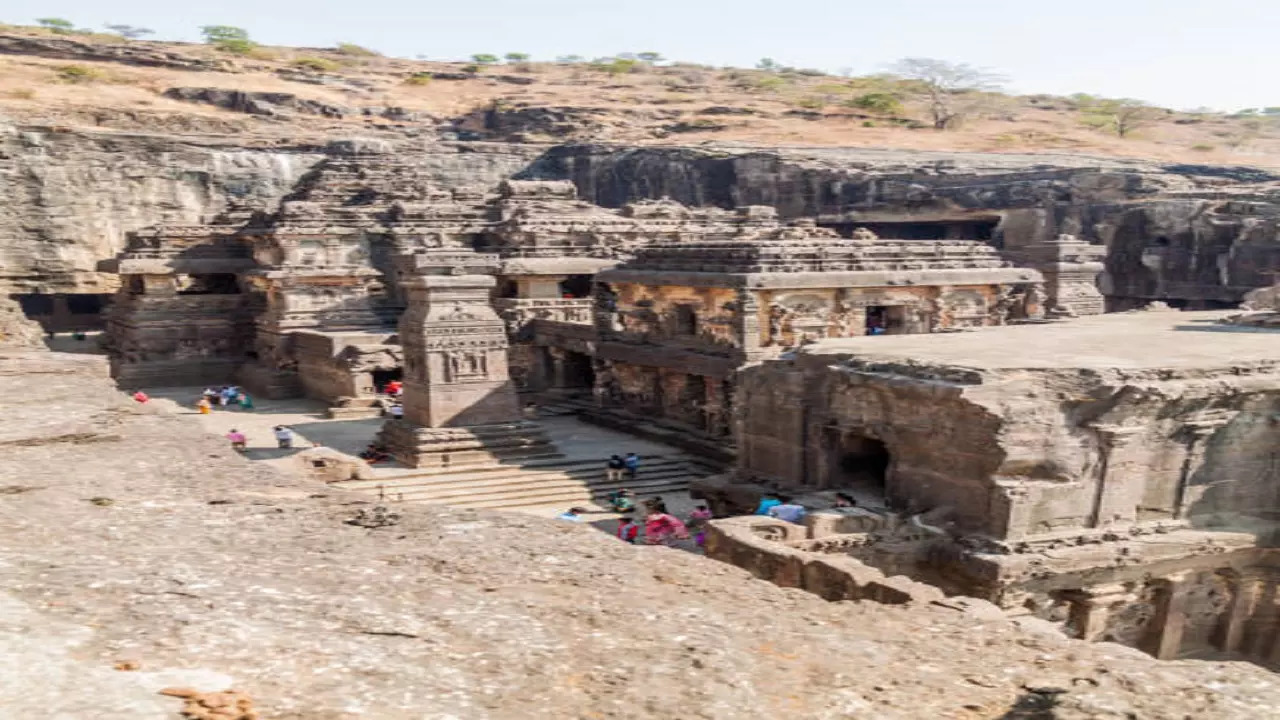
577	440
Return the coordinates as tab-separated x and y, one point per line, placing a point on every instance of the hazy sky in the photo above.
1181	53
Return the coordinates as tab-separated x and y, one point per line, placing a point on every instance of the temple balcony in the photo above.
575	311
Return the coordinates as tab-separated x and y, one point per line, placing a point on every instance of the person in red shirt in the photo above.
140	396
627	530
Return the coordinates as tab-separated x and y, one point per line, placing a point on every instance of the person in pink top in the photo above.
663	529
238	440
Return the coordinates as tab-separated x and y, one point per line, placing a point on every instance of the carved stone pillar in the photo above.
460	406
1171	615
1121	475
1244	599
1197	434
746	323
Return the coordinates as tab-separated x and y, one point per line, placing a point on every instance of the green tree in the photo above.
877	102
57	25
1122	116
484	59
948	90
354	50
650	57
516	57
570	59
228	39
130	32
768	65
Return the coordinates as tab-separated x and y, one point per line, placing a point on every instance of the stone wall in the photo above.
757	544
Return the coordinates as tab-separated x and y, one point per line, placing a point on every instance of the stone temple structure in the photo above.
1113	474
1118	474
685	315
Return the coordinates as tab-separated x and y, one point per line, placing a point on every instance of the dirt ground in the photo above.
130	538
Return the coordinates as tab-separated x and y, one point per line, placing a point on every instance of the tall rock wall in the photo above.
71	196
1194	236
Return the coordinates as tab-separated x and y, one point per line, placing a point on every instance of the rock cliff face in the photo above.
1193	236
72	195
1196	236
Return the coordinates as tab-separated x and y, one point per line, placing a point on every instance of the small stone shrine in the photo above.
460	407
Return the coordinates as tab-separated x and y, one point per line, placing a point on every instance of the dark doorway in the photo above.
578	370
858	464
576	286
877	320
382	377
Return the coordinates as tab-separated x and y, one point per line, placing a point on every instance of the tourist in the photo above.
204	405
396	411
572	514
622	500
845	500
788	511
656	504
394	388
628	530
284	437
661	528
226	395
768	502
632	465
373	453
244	401
698	520
238	441
211	395
613	468
140	397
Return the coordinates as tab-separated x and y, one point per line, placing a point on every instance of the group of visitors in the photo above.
618	465
661	527
226	396
783	507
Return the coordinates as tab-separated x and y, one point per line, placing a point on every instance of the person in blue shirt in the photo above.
632	463
768	501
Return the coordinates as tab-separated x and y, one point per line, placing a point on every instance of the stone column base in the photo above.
475	446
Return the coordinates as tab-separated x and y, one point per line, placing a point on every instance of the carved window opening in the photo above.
209	284
686	320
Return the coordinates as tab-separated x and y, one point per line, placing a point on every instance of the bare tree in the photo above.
947	89
1122	116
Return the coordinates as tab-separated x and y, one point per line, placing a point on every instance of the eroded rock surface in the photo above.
138	541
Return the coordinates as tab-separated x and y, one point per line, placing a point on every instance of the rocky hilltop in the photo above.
142	554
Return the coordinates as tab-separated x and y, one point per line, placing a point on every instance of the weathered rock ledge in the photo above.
127	535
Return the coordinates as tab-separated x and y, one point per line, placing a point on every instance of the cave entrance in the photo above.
858	464
208	284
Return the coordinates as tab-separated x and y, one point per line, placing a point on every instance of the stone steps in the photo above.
482	475
548	483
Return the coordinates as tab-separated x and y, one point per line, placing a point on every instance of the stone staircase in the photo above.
561	482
